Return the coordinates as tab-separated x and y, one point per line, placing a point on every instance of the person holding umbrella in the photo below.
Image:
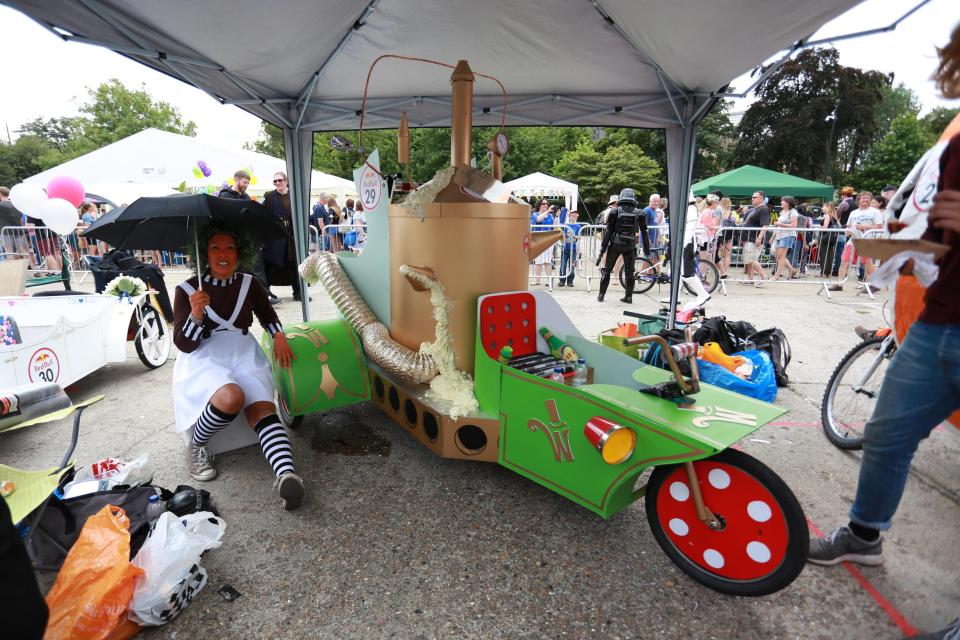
221	369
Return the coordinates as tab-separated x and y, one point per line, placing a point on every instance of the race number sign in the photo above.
371	188
44	366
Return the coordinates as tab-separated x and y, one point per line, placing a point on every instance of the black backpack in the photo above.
774	342
731	336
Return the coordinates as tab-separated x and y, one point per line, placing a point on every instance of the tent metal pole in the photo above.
680	141
298	150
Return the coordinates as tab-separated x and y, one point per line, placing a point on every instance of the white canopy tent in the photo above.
154	162
540	184
634	64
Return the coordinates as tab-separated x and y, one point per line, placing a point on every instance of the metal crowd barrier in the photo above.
332	236
815	249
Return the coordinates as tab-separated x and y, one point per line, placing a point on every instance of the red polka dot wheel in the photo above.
761	544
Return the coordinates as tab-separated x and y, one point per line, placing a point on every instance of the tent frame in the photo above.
689	109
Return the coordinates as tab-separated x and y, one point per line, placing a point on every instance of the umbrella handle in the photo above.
196	244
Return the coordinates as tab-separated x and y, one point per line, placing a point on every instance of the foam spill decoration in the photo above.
452	389
428	191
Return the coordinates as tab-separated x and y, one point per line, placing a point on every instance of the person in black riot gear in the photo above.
620	239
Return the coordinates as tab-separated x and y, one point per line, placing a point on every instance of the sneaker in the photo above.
561	284
200	463
949	632
863	333
842	545
290	487
835	287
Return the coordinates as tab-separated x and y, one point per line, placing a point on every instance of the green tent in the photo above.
748	178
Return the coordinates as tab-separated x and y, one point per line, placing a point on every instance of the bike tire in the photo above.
644	276
840	437
763	545
709	275
153	350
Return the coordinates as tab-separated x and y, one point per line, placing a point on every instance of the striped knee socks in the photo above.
209	422
275	444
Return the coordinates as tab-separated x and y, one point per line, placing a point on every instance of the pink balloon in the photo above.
67	188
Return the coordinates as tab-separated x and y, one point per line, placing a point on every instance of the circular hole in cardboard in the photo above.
470	439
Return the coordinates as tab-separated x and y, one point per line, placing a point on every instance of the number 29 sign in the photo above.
371	188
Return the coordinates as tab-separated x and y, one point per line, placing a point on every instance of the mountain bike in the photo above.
646	273
852	390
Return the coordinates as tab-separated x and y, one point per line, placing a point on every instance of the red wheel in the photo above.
762	543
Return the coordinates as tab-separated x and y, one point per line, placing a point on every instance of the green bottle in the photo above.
558	348
506	354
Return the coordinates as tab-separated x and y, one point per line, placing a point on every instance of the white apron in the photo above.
227	356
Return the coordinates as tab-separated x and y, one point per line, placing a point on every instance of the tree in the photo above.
889	160
21	159
937	120
716	141
895	102
600	174
55	132
812	116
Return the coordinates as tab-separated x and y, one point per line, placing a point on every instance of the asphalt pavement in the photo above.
393	541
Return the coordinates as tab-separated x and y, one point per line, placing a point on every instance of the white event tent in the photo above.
540	184
635	64
154	162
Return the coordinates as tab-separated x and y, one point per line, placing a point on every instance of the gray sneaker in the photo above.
950	632
842	545
200	463
290	487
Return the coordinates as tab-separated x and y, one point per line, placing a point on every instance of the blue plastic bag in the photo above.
349	239
762	384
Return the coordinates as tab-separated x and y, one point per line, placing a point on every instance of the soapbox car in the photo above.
722	516
62	338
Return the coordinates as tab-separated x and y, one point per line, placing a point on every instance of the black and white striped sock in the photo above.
275	444
209	422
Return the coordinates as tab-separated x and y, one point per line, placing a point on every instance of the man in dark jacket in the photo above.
280	256
241	180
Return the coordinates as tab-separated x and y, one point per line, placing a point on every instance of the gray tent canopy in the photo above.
564	62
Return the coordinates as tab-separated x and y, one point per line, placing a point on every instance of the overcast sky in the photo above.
44	76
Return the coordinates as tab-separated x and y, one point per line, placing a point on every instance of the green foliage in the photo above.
890	159
813	117
716	141
895	102
601	174
112	112
937	120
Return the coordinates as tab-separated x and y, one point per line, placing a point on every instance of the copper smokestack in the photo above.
461	118
403	143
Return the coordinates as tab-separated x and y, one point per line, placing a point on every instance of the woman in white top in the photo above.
788	219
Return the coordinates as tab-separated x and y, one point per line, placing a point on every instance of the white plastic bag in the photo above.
170	559
108	473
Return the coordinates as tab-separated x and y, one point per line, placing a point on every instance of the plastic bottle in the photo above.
505	355
155	507
557	375
580	376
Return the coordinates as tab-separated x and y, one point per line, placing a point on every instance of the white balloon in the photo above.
28	198
59	215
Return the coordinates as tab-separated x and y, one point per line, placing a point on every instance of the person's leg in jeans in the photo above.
920	390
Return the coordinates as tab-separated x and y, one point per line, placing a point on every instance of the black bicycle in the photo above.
646	274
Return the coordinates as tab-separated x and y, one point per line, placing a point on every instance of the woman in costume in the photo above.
221	369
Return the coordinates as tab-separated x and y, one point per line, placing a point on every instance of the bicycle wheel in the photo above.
153	338
709	275
762	544
644	276
852	390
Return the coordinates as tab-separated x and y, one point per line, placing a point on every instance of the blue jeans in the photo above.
568	263
920	390
838	253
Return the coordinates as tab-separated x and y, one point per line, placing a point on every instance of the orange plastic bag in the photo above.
93	590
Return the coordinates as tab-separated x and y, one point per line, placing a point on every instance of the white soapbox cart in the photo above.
62	338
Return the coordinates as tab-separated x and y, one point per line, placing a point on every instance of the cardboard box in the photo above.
885	248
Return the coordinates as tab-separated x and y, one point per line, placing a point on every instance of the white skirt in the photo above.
223	358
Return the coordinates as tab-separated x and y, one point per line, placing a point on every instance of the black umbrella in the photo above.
169	223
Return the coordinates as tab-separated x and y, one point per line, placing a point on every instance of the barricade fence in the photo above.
338	237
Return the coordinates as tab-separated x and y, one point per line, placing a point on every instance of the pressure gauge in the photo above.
502	144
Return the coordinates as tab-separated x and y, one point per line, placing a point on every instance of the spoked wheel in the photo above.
153	338
644	276
709	275
762	544
283	411
852	391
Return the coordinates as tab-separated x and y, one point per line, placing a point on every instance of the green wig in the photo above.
206	230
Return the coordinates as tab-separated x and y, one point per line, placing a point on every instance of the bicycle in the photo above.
851	393
646	274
